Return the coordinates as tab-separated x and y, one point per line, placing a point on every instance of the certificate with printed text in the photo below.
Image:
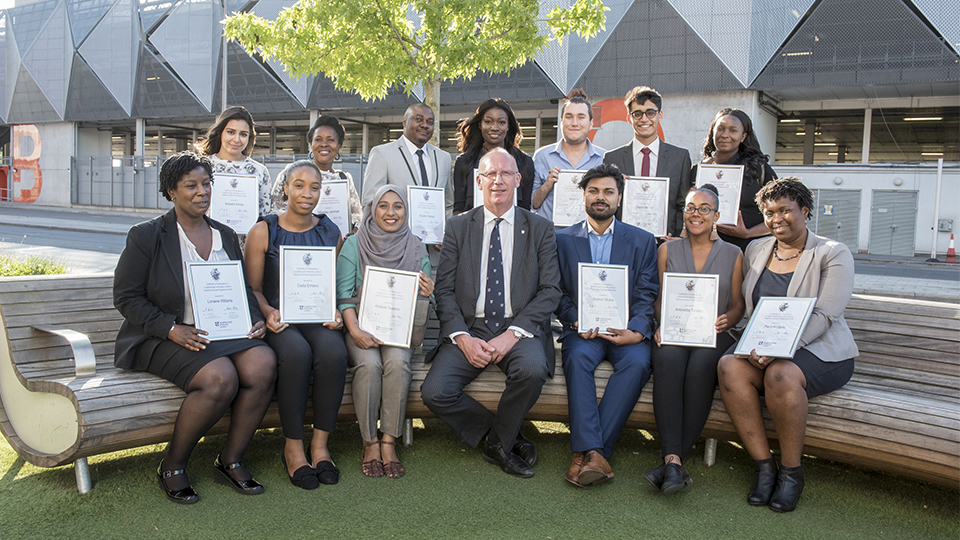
645	201
775	327
218	295
688	309
602	297
387	304
235	201
334	202
308	284
568	207
728	179
426	214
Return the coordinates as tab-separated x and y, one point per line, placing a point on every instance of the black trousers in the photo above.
302	348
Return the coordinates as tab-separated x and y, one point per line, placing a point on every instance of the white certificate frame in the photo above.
338	214
567	182
666	308
477	192
233	268
620	269
707	173
633	183
776	350
329	253
439	207
367	307
250	202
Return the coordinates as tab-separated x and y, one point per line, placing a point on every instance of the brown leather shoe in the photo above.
595	469
574	471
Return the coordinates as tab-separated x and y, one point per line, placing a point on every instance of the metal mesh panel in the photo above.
152	10
84	15
325	96
159	92
88	99
300	88
28	20
581	51
652	45
553	58
189	40
50	58
944	15
859	42
29	104
525	82
249	84
111	51
3	66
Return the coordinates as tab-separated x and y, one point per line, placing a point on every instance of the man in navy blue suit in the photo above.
602	239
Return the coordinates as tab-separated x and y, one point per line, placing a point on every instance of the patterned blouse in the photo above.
278	205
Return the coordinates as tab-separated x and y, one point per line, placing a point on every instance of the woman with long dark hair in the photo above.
493	125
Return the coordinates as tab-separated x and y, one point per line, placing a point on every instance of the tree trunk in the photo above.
431	96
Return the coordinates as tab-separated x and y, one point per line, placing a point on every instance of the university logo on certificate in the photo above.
426	213
775	326
602	297
645	203
308	284
218	296
688	309
235	201
568	207
728	179
387	303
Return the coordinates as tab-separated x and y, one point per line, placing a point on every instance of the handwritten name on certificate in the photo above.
308	284
234	201
728	180
688	309
602	297
775	326
568	205
387	304
219	298
426	214
645	203
334	203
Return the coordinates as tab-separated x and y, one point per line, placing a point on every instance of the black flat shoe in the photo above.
243	487
304	478
766	480
328	473
655	476
788	490
508	462
675	478
525	448
185	495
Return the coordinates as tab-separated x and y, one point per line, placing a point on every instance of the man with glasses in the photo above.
647	155
501	316
411	159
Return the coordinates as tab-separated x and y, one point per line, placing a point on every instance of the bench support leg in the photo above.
82	471
408	432
710	452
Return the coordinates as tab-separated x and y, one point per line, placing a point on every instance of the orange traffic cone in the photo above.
951	253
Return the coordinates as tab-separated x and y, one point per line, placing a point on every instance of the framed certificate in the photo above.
387	304
426	213
477	193
728	179
334	202
645	203
235	201
568	205
219	298
688	309
775	327
308	284
602	297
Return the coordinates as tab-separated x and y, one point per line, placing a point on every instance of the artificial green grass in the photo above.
449	492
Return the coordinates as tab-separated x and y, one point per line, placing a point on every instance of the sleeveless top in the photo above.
771	284
325	234
722	261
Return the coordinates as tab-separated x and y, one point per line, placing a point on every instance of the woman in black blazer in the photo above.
158	333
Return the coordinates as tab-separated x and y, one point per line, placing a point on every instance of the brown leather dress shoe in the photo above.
595	469
574	471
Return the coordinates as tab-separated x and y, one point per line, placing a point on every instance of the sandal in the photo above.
374	467
393	469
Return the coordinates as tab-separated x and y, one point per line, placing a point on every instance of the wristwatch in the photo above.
517	334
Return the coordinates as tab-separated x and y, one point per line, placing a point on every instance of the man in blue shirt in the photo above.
573	152
602	239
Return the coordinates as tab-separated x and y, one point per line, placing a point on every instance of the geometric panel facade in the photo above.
189	40
159	93
151	11
944	15
269	9
89	97
3	66
50	58
28	20
29	104
527	82
84	15
251	84
581	51
111	51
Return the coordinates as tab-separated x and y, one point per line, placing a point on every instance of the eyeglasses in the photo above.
507	176
649	113
702	210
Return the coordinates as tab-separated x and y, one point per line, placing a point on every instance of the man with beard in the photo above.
602	239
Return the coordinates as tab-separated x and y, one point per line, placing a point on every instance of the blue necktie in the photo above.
495	310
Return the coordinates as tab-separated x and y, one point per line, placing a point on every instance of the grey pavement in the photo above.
91	239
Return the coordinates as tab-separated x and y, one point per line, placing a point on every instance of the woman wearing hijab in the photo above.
381	373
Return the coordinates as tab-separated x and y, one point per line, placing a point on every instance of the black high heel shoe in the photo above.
185	495
243	487
765	482
789	488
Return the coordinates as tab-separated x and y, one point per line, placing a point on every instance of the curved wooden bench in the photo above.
900	413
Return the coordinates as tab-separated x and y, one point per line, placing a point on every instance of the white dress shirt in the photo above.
416	162
188	253
638	156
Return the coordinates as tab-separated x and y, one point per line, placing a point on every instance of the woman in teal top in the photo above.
381	373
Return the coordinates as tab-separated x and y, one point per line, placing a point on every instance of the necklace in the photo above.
777	257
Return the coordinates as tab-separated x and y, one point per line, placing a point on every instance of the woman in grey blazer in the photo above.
793	262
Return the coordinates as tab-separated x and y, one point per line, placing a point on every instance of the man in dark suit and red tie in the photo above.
647	155
497	285
602	239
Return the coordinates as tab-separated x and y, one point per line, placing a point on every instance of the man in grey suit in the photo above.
647	155
410	160
497	285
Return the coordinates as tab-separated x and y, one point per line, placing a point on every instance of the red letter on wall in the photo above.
26	137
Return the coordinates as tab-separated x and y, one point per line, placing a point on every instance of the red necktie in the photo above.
645	164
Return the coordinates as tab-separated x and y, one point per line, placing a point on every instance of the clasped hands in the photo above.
191	338
276	325
617	336
721	325
481	353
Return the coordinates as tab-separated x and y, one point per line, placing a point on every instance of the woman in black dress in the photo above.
158	334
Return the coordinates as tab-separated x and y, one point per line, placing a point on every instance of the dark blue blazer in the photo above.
632	246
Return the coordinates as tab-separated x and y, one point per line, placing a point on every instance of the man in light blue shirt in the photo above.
574	152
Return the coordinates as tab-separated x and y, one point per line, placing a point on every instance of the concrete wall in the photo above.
94	142
41	163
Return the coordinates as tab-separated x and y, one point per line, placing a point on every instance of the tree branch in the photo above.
403	40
